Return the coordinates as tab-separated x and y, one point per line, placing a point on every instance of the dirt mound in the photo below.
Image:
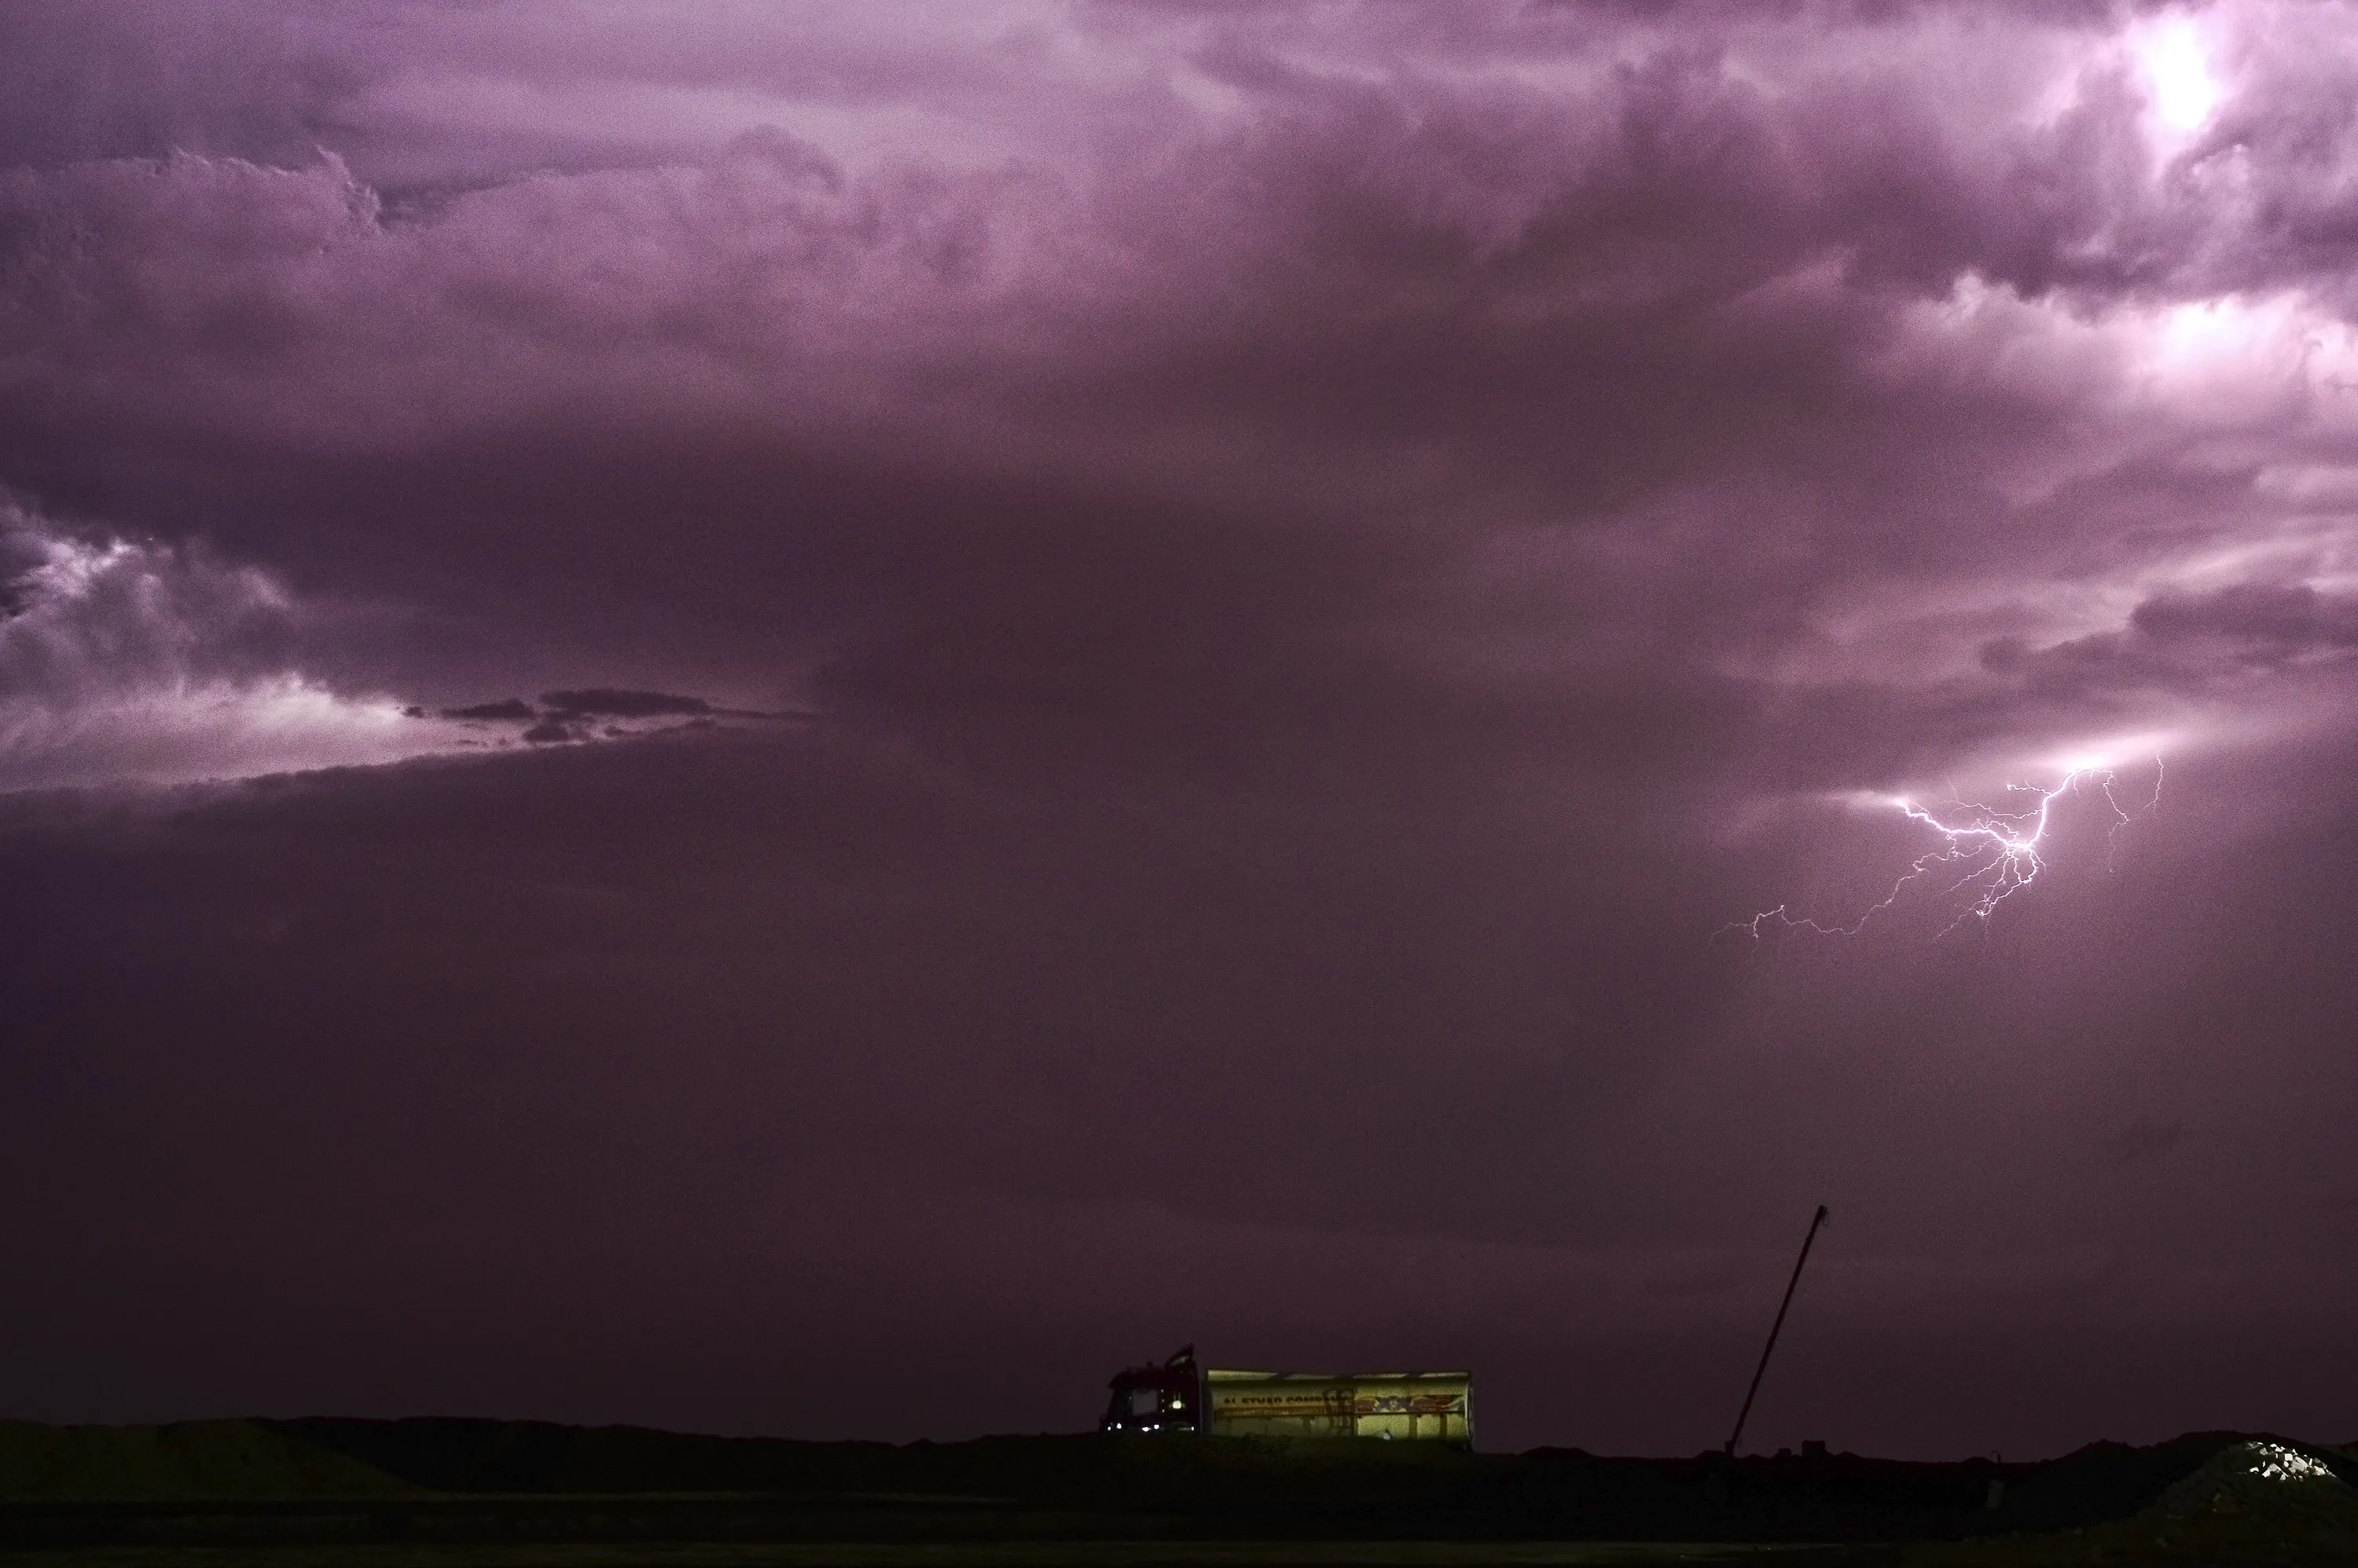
2271	1486
2257	1501
186	1459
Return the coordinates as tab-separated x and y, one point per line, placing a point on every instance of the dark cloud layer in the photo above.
2232	635
1204	628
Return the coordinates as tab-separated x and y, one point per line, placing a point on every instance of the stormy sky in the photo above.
816	719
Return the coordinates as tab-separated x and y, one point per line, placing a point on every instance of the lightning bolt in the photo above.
1995	853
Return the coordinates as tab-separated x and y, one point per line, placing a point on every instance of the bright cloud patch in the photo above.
2178	76
140	662
207	729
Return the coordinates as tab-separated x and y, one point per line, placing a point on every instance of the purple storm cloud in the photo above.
819	719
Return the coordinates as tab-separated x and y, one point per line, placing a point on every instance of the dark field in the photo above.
443	1494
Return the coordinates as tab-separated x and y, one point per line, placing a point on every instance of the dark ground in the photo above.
443	1494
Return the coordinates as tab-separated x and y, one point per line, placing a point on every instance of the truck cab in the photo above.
1158	1399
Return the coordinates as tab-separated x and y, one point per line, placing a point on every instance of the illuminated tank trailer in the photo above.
1180	1396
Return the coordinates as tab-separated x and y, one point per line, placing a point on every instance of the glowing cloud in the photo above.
148	663
2177	76
140	662
211	729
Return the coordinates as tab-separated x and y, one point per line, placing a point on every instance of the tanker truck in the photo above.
1179	1396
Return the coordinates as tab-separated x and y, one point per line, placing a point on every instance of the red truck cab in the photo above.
1167	1397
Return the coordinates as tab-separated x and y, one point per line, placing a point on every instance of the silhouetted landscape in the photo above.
464	1491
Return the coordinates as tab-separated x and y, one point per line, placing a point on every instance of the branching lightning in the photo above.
1994	853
